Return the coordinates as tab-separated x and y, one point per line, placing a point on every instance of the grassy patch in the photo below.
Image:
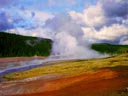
72	67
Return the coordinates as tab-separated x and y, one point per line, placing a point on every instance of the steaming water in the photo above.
20	66
26	65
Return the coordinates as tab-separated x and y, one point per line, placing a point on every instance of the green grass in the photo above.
71	67
111	49
12	45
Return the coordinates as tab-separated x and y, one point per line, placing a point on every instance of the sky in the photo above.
71	22
48	5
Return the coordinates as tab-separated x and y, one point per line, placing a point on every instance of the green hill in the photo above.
109	48
12	45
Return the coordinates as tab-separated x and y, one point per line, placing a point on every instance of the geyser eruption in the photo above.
67	46
68	39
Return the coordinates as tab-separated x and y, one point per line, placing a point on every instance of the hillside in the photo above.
12	45
109	48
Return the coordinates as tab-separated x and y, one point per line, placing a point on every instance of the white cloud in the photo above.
43	15
37	32
97	26
37	15
124	40
110	33
92	16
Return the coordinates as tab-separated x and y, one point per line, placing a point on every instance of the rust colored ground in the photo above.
95	83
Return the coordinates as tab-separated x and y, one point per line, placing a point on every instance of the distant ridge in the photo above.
110	48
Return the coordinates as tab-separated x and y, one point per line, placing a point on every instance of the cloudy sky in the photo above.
74	22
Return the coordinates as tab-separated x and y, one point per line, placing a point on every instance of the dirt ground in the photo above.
97	83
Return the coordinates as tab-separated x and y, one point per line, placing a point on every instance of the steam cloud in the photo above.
68	38
73	32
